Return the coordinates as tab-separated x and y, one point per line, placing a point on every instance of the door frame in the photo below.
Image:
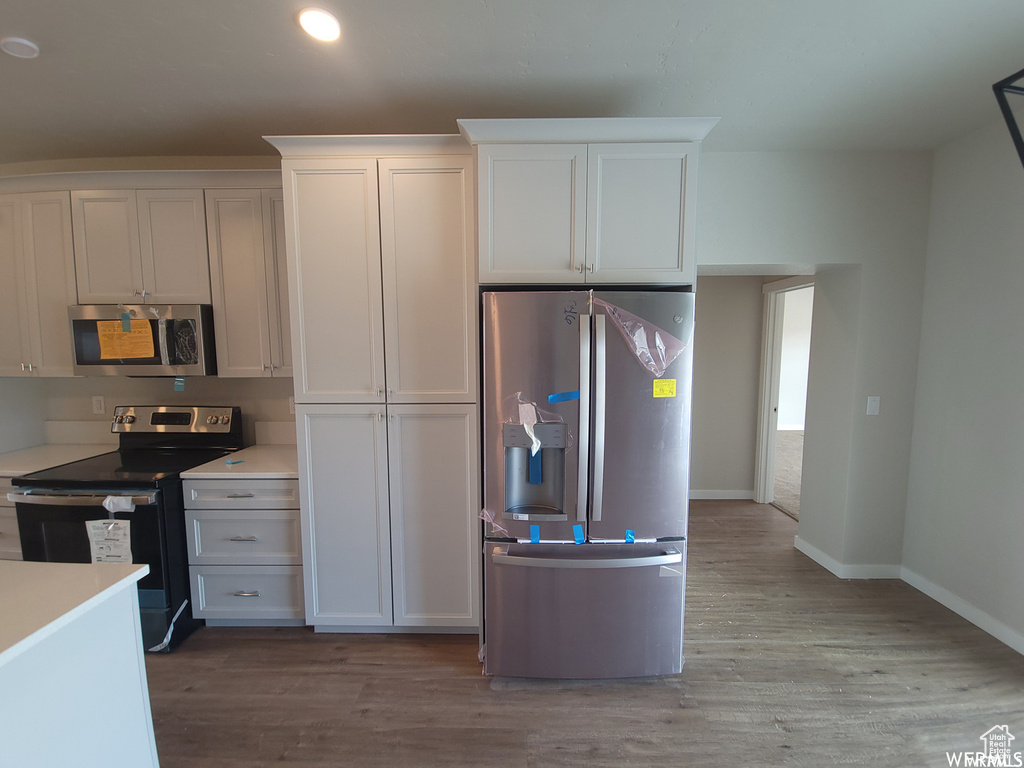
768	388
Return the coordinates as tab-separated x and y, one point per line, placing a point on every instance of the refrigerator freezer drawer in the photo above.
584	612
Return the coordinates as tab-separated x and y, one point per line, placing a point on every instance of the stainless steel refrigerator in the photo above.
586	427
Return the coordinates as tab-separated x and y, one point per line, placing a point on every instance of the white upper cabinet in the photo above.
381	272
334	276
249	283
37	283
532	206
142	246
427	259
594	201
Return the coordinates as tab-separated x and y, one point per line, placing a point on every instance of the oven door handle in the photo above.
78	499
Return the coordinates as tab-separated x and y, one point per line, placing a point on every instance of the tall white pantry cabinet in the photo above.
381	271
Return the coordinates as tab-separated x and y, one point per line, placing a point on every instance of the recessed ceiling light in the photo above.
320	24
20	47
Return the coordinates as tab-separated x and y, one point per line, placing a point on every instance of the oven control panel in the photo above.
173	418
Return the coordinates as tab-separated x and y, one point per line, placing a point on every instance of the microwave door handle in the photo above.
165	355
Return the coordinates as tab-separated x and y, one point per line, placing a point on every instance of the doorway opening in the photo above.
785	355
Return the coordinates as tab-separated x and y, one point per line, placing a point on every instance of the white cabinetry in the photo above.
141	246
248	275
594	201
37	283
245	561
382	246
389	498
380	237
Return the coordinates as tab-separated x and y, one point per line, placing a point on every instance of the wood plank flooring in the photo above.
785	665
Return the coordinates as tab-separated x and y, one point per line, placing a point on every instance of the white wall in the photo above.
795	357
866	215
964	536
726	365
259	399
22	409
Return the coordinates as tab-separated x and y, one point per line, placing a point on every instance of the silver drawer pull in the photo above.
255	593
243	538
240	495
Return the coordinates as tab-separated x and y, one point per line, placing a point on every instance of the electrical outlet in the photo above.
291	405
99	407
873	404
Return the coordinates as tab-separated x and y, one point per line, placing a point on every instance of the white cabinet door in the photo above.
172	239
435	548
108	263
346	540
426	226
276	266
334	276
50	279
37	283
141	246
15	347
532	215
238	278
640	209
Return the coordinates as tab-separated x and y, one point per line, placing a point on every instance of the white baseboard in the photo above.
845	570
704	495
958	605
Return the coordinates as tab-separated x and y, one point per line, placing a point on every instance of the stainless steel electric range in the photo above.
140	483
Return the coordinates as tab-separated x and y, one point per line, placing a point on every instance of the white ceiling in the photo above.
123	78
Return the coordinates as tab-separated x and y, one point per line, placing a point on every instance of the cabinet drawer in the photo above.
246	592
10	544
243	536
241	494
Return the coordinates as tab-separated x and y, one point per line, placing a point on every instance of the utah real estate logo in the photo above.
997	752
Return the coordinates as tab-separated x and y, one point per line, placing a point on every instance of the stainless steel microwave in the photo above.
142	339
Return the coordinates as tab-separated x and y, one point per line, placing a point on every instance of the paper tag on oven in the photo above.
110	541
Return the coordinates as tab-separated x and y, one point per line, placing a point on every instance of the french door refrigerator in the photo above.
586	428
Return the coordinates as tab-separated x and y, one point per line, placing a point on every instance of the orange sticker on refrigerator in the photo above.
664	387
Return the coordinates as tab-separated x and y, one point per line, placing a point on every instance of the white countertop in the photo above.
14	463
37	599
253	463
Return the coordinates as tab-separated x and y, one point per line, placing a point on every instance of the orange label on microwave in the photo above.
116	344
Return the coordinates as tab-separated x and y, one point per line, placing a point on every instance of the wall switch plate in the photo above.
873	402
99	407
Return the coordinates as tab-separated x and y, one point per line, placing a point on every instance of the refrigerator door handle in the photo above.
669	557
582	474
600	363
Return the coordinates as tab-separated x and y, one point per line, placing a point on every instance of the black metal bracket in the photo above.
1002	88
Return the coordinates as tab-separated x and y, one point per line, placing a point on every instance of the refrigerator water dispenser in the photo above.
535	482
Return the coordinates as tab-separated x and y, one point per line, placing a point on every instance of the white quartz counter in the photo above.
72	670
253	463
36	599
14	463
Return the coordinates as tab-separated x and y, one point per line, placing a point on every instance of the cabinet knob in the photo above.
579	268
590	268
243	538
254	593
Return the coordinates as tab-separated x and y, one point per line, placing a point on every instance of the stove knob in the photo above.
129	419
119	419
211	419
225	419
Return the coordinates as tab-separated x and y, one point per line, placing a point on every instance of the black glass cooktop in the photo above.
120	469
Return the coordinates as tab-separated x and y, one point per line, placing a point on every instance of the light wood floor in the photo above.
785	665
